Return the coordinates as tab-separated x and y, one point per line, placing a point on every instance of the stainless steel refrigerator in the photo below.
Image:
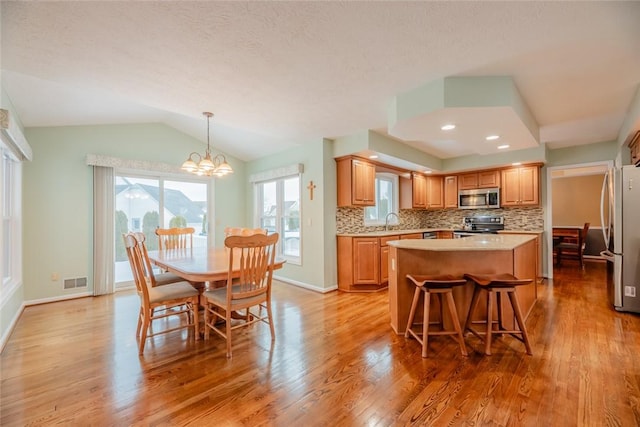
620	216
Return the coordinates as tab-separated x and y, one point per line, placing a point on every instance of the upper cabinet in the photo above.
481	179
435	192
421	192
520	186
634	146
451	191
356	182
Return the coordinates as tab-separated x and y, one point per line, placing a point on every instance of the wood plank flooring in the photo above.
335	362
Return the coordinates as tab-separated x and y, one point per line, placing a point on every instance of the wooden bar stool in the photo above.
497	284
436	285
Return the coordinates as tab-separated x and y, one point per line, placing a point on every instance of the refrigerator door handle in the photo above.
606	231
608	255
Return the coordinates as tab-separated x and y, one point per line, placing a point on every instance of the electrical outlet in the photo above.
630	291
55	277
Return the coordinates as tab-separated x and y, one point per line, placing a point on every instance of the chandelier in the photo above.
206	165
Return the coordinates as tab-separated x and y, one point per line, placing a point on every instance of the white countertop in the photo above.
480	242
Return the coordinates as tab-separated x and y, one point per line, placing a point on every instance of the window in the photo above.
278	211
386	200
10	170
145	203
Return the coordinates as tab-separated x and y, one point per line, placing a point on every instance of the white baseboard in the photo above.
305	285
57	298
12	325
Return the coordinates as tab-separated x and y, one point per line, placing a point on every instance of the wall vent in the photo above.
76	282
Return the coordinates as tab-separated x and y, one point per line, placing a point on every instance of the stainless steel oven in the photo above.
474	225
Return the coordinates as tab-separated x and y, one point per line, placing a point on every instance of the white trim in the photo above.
548	223
57	298
12	134
7	333
298	284
282	172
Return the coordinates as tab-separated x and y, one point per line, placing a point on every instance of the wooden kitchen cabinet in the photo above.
444	234
411	236
356	182
634	147
435	193
520	186
366	261
363	262
480	179
419	191
384	257
451	191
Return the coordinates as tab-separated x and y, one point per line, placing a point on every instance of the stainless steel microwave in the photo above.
487	198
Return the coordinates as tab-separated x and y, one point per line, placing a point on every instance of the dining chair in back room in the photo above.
573	248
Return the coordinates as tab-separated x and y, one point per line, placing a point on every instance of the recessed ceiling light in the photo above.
502	147
448	127
492	137
373	156
516	164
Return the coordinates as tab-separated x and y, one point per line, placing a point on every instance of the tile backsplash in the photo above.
351	220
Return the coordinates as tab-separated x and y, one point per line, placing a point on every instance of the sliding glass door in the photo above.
146	203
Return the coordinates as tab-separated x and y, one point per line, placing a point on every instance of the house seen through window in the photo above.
144	204
278	211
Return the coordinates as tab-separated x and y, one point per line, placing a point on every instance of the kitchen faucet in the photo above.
386	220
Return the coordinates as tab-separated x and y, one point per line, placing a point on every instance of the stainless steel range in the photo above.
472	225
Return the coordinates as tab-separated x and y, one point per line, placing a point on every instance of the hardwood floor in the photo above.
335	361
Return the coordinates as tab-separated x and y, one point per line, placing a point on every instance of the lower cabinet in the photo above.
363	262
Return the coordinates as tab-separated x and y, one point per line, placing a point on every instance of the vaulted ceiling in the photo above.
279	74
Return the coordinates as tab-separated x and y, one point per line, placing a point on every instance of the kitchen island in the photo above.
481	254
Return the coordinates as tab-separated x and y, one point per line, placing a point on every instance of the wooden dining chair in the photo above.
573	248
175	238
241	231
181	297
158	279
252	257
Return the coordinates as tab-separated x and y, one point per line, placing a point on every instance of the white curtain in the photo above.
103	230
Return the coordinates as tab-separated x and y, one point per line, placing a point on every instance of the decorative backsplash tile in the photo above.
351	220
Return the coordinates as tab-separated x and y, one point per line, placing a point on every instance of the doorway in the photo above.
573	198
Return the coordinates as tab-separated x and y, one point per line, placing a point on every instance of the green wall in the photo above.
58	195
318	269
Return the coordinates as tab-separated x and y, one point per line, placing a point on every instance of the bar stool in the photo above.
497	284
436	285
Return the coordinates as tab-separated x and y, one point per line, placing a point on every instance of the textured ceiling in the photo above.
278	74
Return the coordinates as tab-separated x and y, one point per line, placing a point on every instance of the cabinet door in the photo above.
451	191
488	179
363	185
468	181
529	185
510	191
444	234
384	264
520	186
366	261
419	191
435	193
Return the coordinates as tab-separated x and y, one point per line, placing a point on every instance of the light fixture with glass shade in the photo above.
207	165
